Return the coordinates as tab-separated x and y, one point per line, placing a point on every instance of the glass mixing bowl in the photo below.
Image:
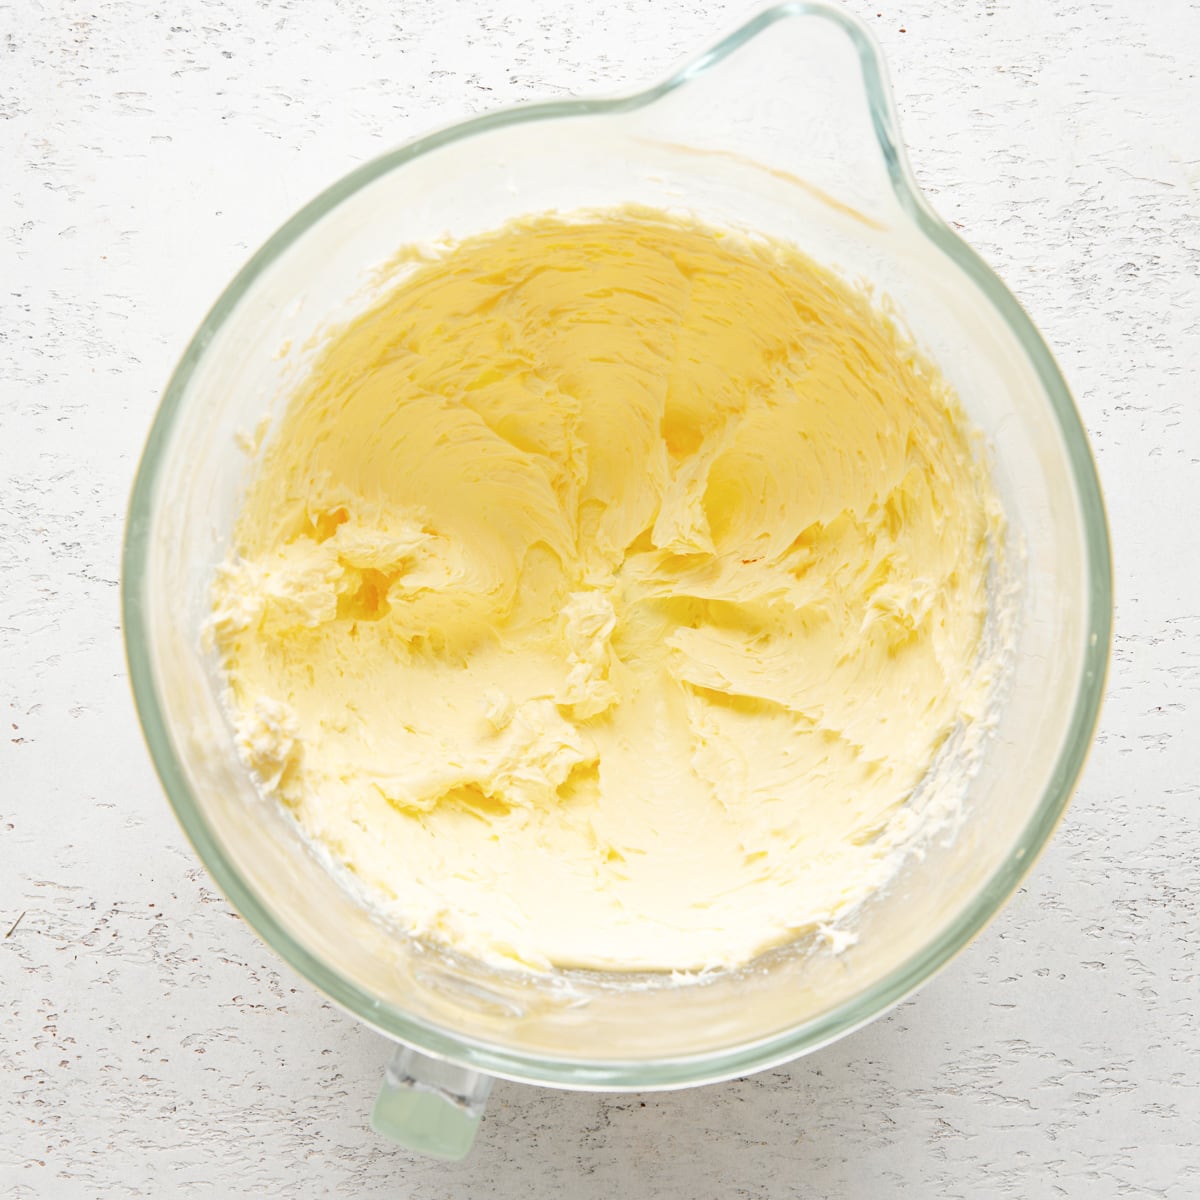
787	127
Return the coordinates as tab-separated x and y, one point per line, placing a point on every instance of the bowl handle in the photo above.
429	1105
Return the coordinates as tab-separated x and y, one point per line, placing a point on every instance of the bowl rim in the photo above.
858	1010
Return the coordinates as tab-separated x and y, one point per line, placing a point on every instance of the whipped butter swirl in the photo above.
606	592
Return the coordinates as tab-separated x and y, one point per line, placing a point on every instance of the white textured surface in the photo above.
148	1044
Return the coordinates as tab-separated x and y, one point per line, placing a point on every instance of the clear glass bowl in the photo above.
786	126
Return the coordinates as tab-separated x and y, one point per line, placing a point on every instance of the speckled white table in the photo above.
149	1045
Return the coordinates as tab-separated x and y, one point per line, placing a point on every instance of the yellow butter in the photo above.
606	591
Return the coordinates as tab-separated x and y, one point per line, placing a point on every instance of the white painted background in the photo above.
149	1045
